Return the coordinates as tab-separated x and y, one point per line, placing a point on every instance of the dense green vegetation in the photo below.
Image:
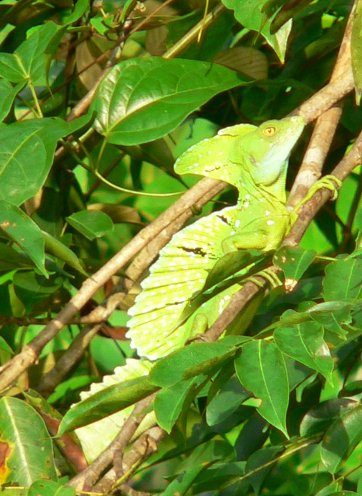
98	99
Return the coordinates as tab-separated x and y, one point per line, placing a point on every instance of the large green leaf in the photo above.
27	153
304	342
28	452
16	225
143	99
261	369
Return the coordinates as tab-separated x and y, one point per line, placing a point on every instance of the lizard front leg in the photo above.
256	240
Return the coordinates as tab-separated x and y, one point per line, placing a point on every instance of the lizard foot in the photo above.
330	182
269	275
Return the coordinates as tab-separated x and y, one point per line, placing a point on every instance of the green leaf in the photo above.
80	8
198	358
348	271
218	475
196	463
61	251
260	463
8	94
28	453
341	439
27	153
29	61
319	418
50	488
261	369
294	261
112	399
304	342
333	316
143	99
11	259
225	401
91	224
32	289
17	226
251	14
172	401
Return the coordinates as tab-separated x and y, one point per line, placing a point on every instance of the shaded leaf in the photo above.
259	464
32	289
341	439
319	418
247	60
171	402
61	251
225	401
17	226
91	224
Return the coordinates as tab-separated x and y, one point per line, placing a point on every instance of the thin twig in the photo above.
87	478
325	127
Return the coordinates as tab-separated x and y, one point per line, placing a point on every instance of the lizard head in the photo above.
245	153
267	151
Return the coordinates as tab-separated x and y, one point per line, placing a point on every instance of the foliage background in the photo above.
277	412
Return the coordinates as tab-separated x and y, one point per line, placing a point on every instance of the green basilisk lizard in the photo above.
254	160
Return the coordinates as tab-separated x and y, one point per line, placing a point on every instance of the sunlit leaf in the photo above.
28	453
304	342
142	99
261	369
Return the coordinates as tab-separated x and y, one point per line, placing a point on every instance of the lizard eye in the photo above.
269	131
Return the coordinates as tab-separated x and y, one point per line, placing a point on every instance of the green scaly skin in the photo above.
254	160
